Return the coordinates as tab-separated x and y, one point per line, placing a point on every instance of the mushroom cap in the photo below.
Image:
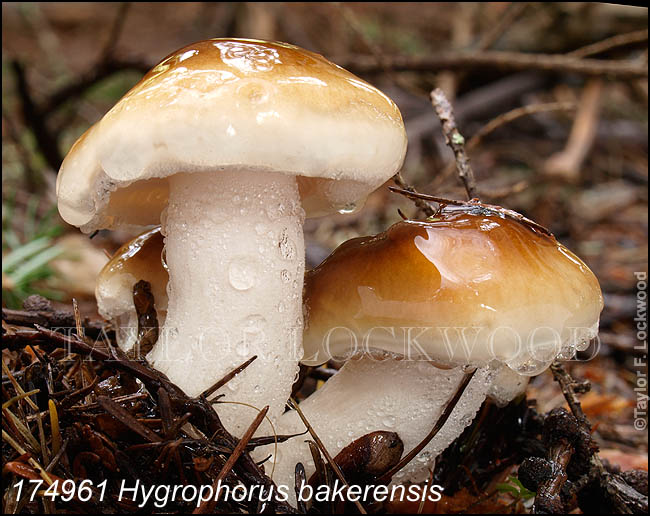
467	287
139	259
233	104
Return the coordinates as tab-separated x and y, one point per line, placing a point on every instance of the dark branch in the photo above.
494	59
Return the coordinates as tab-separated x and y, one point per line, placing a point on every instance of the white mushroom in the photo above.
228	143
469	287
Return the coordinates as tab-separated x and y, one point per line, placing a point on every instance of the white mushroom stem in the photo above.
234	249
366	395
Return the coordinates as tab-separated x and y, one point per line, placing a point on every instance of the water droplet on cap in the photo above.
347	208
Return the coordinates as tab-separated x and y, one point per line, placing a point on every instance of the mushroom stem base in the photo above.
370	394
235	253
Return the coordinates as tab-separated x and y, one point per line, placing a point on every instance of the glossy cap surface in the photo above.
465	288
233	104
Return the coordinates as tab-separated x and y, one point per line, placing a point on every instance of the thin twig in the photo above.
208	505
19	390
77	318
503	119
620	40
514	114
496	59
123	415
229	376
498	211
454	140
177	425
419	203
568	384
324	451
52	319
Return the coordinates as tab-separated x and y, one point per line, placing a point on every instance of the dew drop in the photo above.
232	385
241	273
529	367
347	208
389	421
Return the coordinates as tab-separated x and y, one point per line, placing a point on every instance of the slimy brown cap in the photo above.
233	104
466	287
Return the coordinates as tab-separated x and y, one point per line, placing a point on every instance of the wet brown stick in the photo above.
123	415
177	424
227	377
271	439
51	319
165	409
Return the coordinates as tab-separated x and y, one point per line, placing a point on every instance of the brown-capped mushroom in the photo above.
137	260
469	287
227	143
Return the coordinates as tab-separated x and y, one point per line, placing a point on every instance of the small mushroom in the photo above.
139	259
227	143
467	288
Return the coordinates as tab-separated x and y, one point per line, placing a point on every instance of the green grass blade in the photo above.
20	254
33	267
